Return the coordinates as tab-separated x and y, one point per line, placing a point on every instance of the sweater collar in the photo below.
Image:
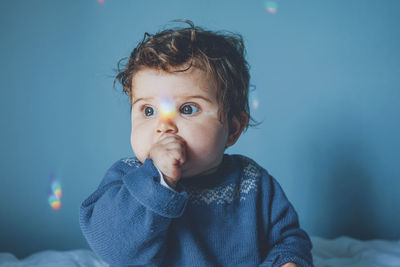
212	179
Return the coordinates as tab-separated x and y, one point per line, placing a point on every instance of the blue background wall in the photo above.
327	77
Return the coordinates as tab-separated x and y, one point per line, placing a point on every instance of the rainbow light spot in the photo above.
54	202
255	103
58	193
167	107
271	7
56	205
254	100
55	194
100	1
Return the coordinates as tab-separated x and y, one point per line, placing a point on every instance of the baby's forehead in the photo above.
150	81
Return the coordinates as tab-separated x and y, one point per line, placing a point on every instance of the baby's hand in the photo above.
168	154
290	264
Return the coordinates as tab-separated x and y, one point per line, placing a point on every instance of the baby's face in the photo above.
184	104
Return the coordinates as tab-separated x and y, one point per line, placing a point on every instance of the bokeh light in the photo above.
56	189
55	193
254	100
54	202
271	6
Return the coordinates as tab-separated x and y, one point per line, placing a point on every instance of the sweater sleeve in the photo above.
287	242
125	221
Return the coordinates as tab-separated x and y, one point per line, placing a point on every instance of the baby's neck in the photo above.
207	172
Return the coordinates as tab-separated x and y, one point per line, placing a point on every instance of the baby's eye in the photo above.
189	109
148	111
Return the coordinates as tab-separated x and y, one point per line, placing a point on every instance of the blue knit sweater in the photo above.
237	216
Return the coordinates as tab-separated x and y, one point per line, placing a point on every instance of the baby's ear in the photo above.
236	127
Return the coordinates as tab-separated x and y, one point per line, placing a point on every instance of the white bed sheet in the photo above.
339	252
350	252
49	258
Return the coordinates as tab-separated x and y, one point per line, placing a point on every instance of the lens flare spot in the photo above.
254	100
58	193
167	107
100	1
55	193
56	205
55	185
255	104
271	6
54	202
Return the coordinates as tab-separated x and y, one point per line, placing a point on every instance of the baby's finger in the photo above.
170	170
169	137
178	154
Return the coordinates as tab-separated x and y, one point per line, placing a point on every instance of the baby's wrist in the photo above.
165	182
169	181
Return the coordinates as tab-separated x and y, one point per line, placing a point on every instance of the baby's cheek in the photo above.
139	153
207	142
139	147
132	143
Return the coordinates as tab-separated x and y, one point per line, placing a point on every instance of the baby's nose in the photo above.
166	126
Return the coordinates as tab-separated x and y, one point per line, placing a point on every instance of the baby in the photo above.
181	201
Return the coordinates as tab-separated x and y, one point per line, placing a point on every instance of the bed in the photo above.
345	251
339	252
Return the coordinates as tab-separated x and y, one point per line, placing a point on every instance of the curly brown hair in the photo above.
220	54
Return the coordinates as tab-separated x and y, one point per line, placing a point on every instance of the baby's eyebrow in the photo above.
145	99
186	98
198	96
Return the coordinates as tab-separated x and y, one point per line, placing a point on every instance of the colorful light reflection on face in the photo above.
167	107
55	193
